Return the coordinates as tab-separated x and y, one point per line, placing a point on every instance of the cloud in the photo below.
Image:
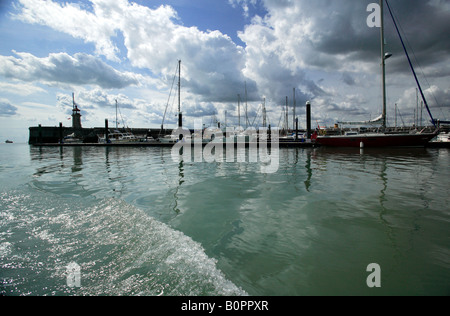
154	40
437	99
300	35
7	109
211	62
348	79
244	4
296	44
337	38
97	104
102	99
299	40
61	68
273	66
200	110
71	18
97	99
20	88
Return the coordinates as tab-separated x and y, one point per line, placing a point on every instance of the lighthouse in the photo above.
76	116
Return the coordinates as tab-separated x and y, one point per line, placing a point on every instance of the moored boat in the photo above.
168	139
172	139
443	138
72	139
375	140
381	138
117	137
441	141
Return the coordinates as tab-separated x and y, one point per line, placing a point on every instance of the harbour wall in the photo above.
54	134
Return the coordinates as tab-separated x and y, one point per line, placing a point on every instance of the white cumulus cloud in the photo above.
57	68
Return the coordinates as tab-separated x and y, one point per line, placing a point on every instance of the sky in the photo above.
108	50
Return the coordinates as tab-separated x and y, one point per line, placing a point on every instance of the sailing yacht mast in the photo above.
246	108
264	114
239	110
287	114
117	123
410	65
293	112
383	64
380	139
180	116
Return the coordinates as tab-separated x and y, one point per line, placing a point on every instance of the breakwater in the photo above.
54	134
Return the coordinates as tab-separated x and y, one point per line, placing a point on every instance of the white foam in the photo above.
120	249
5	249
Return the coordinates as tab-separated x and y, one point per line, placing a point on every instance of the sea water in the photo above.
132	221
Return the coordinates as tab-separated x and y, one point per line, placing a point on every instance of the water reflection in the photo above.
177	188
308	170
77	159
278	233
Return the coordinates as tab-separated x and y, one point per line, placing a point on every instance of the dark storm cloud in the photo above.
200	110
348	79
425	26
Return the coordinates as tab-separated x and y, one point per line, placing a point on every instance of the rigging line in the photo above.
168	100
267	117
123	121
281	115
172	111
401	117
121	116
257	116
410	64
417	62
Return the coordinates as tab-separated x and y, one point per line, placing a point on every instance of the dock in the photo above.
281	144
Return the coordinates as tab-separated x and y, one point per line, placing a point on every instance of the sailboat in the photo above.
172	139
382	138
116	136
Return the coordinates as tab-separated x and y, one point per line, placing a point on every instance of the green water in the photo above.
139	223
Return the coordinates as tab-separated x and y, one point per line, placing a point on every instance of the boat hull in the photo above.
376	140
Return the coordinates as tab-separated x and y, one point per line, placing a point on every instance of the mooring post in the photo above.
61	138
40	134
308	120
106	131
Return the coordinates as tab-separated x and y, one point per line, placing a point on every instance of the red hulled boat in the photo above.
383	138
375	140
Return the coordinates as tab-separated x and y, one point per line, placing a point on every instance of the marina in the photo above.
334	137
271	164
76	136
160	144
48	136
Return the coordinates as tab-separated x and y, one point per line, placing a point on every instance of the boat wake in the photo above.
120	250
